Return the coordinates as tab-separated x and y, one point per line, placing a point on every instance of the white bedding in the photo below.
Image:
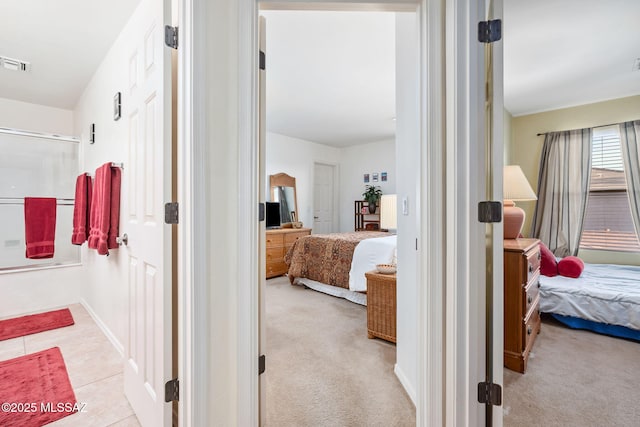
603	293
368	253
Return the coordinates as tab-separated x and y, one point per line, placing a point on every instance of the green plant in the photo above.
372	194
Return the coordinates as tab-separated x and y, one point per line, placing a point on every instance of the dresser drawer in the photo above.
531	293
275	254
533	263
273	240
290	238
531	327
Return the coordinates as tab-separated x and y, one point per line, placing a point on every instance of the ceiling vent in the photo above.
14	64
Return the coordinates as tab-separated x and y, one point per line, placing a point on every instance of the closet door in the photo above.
148	186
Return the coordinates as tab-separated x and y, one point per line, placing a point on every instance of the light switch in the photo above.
405	206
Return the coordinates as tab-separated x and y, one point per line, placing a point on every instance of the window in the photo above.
608	224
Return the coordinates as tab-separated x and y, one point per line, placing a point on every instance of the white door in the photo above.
147	185
323	199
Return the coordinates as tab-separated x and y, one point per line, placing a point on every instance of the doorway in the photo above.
324	178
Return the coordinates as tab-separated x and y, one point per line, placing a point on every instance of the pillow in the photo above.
570	266
548	263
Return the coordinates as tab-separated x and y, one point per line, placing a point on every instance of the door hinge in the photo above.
172	390
490	393
171	36
263	61
260	211
489	31
489	211
171	213
262	364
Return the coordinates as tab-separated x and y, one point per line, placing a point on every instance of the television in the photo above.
272	215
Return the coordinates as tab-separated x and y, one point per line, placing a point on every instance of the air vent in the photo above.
636	65
14	64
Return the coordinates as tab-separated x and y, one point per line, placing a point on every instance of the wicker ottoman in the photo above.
381	305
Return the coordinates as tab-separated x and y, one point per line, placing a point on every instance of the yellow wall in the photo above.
524	148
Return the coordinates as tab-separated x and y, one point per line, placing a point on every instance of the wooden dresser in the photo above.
521	300
279	241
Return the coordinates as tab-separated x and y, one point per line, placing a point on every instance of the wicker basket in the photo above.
381	305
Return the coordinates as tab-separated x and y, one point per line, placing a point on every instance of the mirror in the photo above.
283	190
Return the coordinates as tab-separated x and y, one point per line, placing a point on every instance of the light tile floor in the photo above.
94	367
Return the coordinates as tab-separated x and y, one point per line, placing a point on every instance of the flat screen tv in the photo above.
272	215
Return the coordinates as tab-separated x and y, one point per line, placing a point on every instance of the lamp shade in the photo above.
388	212
515	184
515	187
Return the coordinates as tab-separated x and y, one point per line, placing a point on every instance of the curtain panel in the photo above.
629	139
563	188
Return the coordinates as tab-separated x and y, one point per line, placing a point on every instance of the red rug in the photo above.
34	323
35	390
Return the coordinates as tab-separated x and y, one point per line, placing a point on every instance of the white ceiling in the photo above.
563	53
330	75
64	40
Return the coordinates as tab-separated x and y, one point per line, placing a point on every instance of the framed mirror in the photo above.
283	190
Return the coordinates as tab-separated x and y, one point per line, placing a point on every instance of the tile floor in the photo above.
94	367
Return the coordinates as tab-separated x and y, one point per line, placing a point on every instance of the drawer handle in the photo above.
529	330
539	256
529	299
530	268
538	284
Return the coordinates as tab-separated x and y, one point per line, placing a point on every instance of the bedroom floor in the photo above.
94	368
322	370
575	378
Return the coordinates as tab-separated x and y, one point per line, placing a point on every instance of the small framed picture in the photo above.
117	107
375	177
383	176
366	177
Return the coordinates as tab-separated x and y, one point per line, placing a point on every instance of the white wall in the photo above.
296	157
357	160
105	289
407	187
37	290
35	118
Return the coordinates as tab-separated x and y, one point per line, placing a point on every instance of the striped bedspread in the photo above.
326	258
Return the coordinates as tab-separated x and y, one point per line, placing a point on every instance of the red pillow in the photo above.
570	266
548	263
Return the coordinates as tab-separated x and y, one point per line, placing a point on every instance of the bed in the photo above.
335	263
605	299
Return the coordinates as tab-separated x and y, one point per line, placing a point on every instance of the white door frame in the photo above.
219	247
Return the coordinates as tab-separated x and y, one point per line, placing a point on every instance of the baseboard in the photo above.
405	383
103	327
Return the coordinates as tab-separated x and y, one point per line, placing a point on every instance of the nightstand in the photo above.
521	300
381	305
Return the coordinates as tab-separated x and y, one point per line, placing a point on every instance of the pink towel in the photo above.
39	226
105	209
81	210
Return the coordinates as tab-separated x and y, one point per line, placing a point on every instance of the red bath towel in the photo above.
39	226
81	210
105	209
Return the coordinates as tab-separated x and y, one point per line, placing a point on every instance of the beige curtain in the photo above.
629	140
563	188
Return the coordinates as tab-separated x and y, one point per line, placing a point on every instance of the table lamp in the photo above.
516	188
388	212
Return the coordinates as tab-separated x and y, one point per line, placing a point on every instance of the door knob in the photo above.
122	240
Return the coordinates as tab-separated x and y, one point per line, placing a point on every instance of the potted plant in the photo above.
372	195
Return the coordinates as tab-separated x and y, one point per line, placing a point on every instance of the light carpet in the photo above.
321	368
575	378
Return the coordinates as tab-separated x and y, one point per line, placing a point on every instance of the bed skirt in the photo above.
601	328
